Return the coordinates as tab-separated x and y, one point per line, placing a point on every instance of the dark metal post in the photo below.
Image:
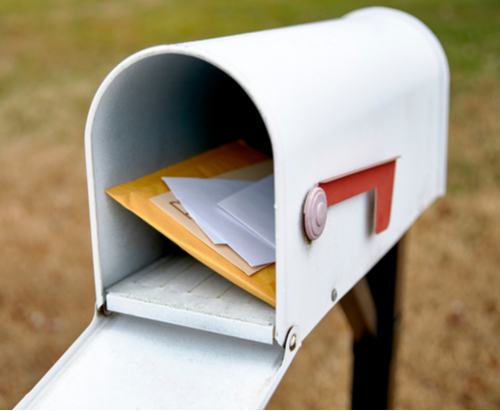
374	353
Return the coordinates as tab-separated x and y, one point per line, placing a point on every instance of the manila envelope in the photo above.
232	160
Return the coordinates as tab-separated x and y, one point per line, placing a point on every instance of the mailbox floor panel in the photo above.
180	290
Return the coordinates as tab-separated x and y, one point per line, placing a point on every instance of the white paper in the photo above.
199	196
212	234
253	206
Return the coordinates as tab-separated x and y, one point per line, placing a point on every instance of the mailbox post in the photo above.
353	112
373	310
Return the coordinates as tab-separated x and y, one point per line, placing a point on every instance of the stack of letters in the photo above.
217	206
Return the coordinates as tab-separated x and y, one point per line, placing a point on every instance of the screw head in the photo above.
334	295
293	342
103	309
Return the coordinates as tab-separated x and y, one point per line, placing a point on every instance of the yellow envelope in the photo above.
136	196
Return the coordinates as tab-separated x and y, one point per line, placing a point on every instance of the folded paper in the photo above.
253	206
199	196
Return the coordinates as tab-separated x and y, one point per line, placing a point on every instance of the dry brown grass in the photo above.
450	347
46	292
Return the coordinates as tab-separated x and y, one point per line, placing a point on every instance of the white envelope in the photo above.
253	206
200	196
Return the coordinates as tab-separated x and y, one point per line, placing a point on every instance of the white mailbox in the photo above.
354	113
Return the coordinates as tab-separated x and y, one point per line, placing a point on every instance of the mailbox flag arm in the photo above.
378	176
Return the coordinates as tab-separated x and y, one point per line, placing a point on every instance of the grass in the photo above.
54	55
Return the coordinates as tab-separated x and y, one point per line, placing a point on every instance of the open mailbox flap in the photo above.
124	362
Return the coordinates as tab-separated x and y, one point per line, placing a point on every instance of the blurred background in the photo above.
53	56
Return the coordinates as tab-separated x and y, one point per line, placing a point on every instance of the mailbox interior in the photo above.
149	114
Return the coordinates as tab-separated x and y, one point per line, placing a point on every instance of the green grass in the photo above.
79	33
63	49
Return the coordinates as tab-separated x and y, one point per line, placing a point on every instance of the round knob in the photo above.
315	212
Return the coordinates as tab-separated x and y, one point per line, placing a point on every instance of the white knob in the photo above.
315	212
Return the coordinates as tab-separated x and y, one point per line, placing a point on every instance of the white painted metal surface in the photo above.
323	99
328	97
123	362
180	290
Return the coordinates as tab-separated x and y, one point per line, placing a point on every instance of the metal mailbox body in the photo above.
323	99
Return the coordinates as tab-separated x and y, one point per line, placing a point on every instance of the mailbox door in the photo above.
124	362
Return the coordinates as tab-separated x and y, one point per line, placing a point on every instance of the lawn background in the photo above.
53	57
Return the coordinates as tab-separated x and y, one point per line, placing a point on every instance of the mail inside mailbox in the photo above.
201	198
150	198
